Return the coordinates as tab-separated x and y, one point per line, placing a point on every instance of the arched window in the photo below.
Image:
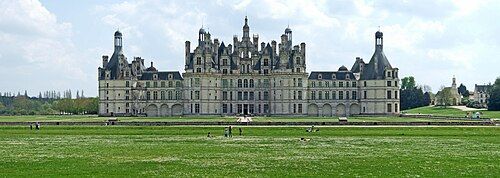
251	83
198	61
148	95
224	62
239	83
155	95
163	95
170	96
245	83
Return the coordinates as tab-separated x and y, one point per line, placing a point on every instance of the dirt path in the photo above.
464	108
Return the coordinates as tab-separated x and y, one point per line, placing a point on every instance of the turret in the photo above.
303	49
118	41
379	40
256	40
246	30
273	45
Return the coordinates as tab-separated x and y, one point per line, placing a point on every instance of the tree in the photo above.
494	100
408	83
462	90
427	99
444	97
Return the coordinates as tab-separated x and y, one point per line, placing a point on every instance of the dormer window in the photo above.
388	74
170	76
347	77
155	76
320	76
334	76
297	60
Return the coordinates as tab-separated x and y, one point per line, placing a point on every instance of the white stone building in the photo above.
247	78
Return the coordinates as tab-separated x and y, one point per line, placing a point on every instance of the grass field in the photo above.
442	111
261	152
90	118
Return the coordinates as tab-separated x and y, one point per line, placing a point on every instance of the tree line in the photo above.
412	95
23	105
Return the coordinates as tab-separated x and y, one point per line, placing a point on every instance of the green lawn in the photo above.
80	118
442	111
261	152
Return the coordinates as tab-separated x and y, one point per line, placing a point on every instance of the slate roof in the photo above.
161	75
377	65
482	88
328	75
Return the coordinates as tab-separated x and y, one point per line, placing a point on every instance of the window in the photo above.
299	95
334	76
354	84
240	84
266	108
395	83
320	95
327	84
245	83
346	95
148	84
389	83
347	84
396	107
389	107
313	95
155	84
320	76
297	70
224	95
197	82
240	95
327	95
170	95
224	108
251	83
224	71
251	95
266	62
364	83
170	76
178	95
196	108
196	95
178	84
198	70
198	61
266	96
225	84
163	84
396	95
297	60
127	84
341	84
388	74
299	82
364	95
155	95
224	62
299	110
341	95
163	95
170	84
245	95
148	95
354	95
334	95
389	95
320	84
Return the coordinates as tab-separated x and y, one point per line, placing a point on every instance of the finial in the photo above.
201	23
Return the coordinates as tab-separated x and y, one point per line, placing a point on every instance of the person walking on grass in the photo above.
37	126
31	126
241	131
230	131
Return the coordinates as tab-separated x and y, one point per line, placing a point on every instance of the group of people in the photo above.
37	126
228	132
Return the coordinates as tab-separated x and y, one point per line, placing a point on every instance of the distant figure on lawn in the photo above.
31	126
241	131
309	130
209	135
226	132
37	126
304	139
230	131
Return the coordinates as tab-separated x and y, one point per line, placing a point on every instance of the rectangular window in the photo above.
170	84
346	95
127	84
354	95
389	107
320	95
224	95
327	95
389	95
341	95
240	95
396	95
251	95
148	84
155	84
299	95
299	82
299	110
354	84
225	84
389	83
266	108
196	108
364	95
341	84
313	95
197	82
334	95
224	108
196	95
162	84
396	108
266	95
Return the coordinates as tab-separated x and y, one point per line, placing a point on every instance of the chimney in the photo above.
303	48
104	61
273	45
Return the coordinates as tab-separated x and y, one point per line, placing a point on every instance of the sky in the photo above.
57	45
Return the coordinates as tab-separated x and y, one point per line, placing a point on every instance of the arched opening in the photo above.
340	110
327	110
152	110
312	110
177	110
164	110
355	109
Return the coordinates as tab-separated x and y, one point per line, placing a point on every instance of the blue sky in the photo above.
57	45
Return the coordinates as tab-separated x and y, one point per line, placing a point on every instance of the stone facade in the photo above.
247	78
454	98
481	94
